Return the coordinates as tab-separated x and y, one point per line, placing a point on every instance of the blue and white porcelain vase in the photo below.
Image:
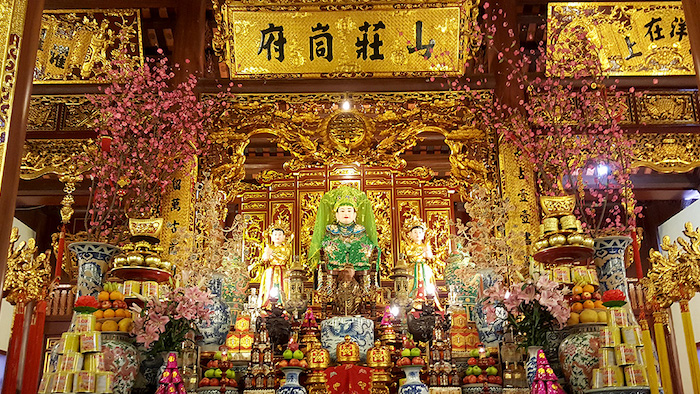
214	332
610	260
490	334
531	364
93	264
413	384
291	381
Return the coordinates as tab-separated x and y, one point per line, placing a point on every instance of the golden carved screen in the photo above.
395	196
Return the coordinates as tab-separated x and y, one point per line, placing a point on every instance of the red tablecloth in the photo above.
348	379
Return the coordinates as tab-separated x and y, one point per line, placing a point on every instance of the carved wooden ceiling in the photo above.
162	18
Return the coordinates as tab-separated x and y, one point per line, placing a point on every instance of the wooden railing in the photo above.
61	301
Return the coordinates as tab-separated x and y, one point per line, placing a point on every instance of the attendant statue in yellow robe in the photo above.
277	255
419	254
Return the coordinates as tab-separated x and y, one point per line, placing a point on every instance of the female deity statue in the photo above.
277	254
349	239
418	254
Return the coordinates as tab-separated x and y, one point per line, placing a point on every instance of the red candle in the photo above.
35	345
13	352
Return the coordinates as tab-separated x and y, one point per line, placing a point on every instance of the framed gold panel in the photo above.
438	221
308	203
381	205
636	38
253	243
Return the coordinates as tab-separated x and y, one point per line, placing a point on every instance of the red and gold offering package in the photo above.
635	375
104	382
62	383
625	355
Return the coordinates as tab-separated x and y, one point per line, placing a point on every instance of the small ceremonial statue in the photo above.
277	255
418	255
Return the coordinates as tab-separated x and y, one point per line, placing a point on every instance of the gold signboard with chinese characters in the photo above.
77	46
638	38
354	41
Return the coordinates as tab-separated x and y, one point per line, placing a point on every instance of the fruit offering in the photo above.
293	357
410	356
586	305
113	313
482	368
219	372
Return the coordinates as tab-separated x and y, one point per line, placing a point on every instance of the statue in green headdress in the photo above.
345	231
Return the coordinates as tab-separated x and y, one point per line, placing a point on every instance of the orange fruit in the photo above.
110	325
577	290
598	304
116	295
98	326
120	313
589	288
588	304
99	314
109	313
103	296
576	307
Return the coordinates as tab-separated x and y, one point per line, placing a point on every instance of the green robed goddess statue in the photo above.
349	238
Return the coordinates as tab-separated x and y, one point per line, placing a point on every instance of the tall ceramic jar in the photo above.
413	384
531	363
122	358
610	260
578	355
490	334
291	381
93	262
214	332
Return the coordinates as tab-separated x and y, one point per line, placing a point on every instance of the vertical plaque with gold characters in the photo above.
634	38
177	208
518	183
11	26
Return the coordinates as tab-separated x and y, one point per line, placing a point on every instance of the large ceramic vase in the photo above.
578	355
291	381
413	384
531	363
122	358
93	262
214	332
490	334
610	260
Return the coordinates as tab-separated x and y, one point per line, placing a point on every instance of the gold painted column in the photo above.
20	22
691	9
690	344
660	320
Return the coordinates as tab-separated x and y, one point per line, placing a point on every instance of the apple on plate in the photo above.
415	352
498	379
491	370
491	379
472	379
472	361
481	378
294	362
586	295
214	382
288	354
468	371
491	361
476	370
204	382
418	361
283	364
303	364
403	361
406	352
